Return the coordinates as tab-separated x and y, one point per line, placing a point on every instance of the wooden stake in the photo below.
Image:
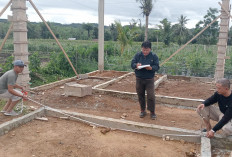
190	40
33	5
225	9
4	9
5	38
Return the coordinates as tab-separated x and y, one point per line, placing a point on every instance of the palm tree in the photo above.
182	22
146	6
125	35
180	30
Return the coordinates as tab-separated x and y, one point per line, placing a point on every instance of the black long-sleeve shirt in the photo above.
151	59
225	106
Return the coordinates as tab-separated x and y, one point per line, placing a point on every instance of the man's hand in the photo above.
138	64
200	107
210	134
23	89
149	68
25	97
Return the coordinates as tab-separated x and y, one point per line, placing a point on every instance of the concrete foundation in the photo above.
149	129
79	90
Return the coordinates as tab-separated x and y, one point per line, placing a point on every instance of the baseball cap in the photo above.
19	63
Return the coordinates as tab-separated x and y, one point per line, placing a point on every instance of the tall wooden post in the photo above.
101	35
222	42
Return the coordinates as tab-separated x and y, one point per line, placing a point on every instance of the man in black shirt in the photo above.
145	64
223	115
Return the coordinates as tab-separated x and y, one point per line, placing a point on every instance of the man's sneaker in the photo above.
142	114
12	113
2	111
204	130
153	116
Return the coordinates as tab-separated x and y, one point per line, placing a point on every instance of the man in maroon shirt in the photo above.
223	114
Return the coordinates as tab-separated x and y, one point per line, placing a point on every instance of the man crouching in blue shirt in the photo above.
145	64
223	114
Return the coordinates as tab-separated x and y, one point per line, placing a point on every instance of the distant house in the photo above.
71	38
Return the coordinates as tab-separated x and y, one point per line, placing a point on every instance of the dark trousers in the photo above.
148	85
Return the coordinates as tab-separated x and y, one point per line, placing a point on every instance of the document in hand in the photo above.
143	66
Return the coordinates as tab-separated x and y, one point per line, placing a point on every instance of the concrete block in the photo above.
74	89
14	123
205	147
131	126
160	80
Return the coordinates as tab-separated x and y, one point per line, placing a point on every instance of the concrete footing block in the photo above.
160	80
125	125
7	126
205	147
74	89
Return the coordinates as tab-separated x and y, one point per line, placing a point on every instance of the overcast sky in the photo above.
79	11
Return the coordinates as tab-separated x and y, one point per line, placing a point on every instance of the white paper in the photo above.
143	66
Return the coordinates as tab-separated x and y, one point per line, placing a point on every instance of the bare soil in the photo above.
53	139
127	84
175	88
111	74
114	107
186	89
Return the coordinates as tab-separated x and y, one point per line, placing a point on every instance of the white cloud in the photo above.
79	11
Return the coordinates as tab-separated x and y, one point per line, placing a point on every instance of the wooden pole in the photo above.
5	38
190	40
225	9
4	9
33	5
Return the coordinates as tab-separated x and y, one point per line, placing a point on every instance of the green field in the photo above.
47	62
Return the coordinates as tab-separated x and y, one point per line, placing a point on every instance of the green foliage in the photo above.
35	62
165	28
8	64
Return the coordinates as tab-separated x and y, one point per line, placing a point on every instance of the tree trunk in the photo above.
146	29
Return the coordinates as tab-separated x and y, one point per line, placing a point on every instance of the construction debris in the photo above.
42	118
32	108
191	153
67	118
124	115
105	130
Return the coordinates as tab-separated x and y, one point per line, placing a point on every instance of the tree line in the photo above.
165	31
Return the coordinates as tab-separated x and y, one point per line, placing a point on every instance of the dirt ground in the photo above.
114	107
53	139
110	74
176	88
40	139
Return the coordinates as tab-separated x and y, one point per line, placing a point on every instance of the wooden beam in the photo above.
57	41
5	38
190	40
4	9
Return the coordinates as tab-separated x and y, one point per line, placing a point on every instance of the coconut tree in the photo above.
180	30
146	6
125	35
